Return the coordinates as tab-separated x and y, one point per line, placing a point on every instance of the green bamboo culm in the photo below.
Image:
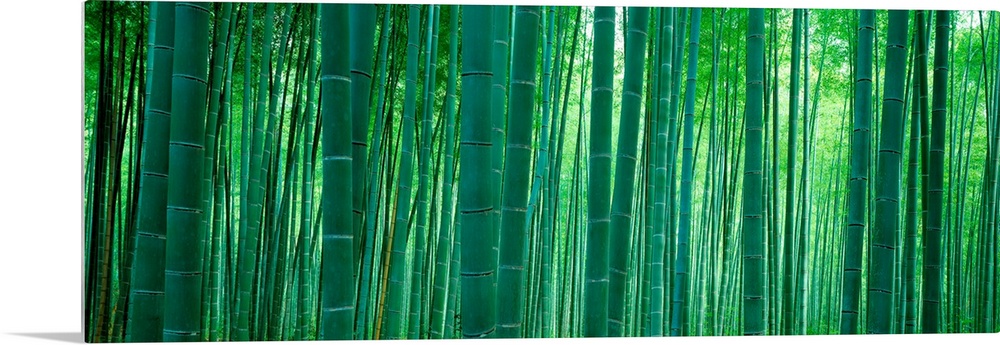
363	327
475	200
920	96
551	307
284	167
517	173
185	246
362	22
596	269
678	321
917	78
306	303
245	154
97	218
248	246
933	243
236	331
540	168
802	216
267	317
628	137
501	63
990	237
907	292
882	248
443	268
417	279
670	249
754	300
657	287
397	258
218	287
145	320
337	265
269	164
857	200
788	279
210	170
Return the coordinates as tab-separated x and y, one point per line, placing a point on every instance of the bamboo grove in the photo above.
261	171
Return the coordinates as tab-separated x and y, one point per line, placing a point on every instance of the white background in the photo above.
41	171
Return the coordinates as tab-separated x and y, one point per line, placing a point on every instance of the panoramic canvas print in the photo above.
287	171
